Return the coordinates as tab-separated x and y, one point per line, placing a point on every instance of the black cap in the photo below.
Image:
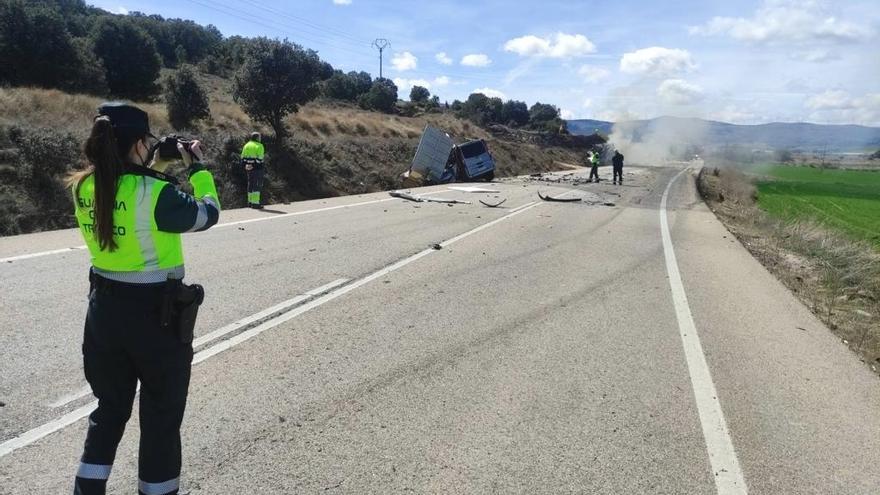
126	118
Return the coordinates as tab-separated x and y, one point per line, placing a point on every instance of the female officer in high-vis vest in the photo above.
131	216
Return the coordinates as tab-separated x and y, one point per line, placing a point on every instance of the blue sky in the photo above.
750	61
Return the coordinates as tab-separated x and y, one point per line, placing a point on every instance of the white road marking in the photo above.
42	253
729	478
43	430
218	226
225	330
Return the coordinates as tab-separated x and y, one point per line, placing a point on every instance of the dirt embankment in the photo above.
836	277
335	149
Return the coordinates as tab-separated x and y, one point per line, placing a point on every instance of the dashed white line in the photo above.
728	475
50	427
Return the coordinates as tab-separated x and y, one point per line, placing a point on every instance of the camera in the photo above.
167	146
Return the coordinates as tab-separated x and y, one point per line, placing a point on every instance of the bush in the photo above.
381	97
347	87
185	100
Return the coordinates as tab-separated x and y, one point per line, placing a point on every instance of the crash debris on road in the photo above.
496	205
419	199
558	199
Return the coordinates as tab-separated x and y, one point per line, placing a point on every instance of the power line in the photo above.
252	19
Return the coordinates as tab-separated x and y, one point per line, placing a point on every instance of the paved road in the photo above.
543	349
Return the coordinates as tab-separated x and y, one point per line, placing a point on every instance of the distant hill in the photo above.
793	136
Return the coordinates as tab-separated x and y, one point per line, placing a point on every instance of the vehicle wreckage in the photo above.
438	160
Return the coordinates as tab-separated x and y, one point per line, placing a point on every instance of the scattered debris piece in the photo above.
436	247
2	404
801	329
561	200
473	189
864	313
496	205
419	199
608	203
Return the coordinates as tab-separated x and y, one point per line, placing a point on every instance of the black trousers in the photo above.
123	343
618	174
594	172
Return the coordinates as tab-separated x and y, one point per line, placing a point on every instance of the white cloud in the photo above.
491	93
594	74
679	92
839	107
831	100
588	102
121	10
404	85
657	61
785	21
566	114
815	56
560	45
404	61
341	2
476	60
443	58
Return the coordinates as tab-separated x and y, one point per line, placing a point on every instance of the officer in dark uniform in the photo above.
617	165
140	316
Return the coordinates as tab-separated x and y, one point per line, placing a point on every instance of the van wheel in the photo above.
488	177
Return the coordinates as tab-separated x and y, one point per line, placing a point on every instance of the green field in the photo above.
846	200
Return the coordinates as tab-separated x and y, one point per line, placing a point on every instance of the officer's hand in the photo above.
248	167
195	151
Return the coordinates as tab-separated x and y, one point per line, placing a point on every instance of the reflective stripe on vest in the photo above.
142	248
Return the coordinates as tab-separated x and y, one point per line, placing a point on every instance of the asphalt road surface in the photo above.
543	348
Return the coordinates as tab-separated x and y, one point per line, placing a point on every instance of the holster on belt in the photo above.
180	307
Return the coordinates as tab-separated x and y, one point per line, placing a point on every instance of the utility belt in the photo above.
178	303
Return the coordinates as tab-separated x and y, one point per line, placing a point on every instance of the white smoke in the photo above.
659	142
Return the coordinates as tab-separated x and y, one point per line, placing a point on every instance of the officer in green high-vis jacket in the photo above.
139	322
252	155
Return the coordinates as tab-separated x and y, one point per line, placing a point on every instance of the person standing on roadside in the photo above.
594	165
617	165
140	315
252	157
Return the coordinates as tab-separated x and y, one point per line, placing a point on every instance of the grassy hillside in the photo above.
335	149
846	200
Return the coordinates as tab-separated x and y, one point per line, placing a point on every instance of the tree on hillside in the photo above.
129	57
419	94
515	113
545	117
36	49
481	109
185	100
347	87
275	79
382	96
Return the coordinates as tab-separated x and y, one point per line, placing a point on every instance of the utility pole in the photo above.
381	44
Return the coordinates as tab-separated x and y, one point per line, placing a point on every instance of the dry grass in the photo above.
73	113
836	277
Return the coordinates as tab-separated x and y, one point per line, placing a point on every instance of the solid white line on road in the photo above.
225	330
43	430
72	396
219	226
42	253
729	478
